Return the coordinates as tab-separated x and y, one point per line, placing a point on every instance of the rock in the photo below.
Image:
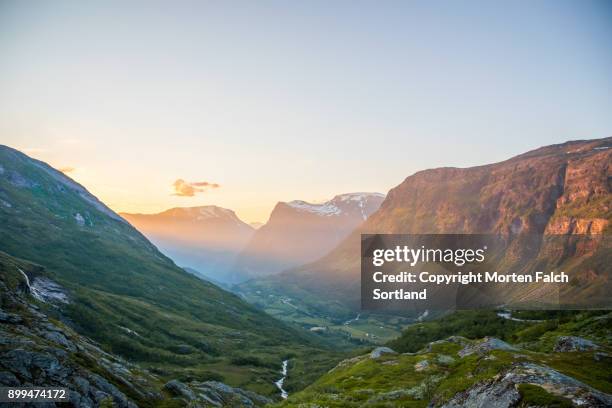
179	389
421	366
486	345
18	361
501	391
49	366
572	343
10	318
489	394
59	338
379	351
8	379
599	356
35	351
220	395
119	398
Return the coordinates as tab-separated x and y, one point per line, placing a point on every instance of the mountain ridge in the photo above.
298	231
205	239
564	188
117	280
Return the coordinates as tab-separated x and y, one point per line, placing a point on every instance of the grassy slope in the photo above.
363	381
283	298
117	278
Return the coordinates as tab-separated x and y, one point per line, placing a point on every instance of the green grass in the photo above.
292	304
393	379
532	395
117	279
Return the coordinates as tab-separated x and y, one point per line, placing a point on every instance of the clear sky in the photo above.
282	100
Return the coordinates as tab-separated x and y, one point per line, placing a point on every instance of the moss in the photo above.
533	395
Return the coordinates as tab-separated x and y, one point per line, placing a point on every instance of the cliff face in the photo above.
528	193
559	189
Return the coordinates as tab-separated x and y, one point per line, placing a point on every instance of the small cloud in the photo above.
66	170
183	188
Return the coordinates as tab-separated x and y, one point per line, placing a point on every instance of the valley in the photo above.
130	298
84	290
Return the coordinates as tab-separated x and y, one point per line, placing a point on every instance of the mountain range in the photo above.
299	232
88	303
558	189
104	279
204	239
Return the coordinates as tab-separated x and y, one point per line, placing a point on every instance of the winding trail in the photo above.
279	383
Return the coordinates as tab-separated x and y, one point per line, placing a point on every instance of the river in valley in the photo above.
279	383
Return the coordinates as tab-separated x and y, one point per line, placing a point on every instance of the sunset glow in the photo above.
292	102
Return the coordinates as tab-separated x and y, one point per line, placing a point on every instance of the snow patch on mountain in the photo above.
325	209
338	205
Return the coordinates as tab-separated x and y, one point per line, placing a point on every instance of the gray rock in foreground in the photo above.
215	394
486	345
502	392
379	351
573	343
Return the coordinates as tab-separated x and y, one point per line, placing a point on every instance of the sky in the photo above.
153	105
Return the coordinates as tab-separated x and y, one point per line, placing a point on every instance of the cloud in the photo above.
183	188
66	170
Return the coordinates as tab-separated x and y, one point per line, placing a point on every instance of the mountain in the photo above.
299	232
205	239
39	350
105	280
558	189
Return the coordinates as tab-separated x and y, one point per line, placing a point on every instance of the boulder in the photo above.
566	344
10	318
484	346
421	366
179	389
379	351
501	391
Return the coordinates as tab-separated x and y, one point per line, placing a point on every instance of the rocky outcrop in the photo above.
379	351
502	391
573	343
558	189
484	346
35	350
214	394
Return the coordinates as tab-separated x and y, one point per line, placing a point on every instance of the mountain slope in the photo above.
124	293
536	363
39	350
560	189
299	232
206	239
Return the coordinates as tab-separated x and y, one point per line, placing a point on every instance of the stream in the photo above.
508	316
279	383
352	320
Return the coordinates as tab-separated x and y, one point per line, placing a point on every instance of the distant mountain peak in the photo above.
201	212
338	205
299	232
